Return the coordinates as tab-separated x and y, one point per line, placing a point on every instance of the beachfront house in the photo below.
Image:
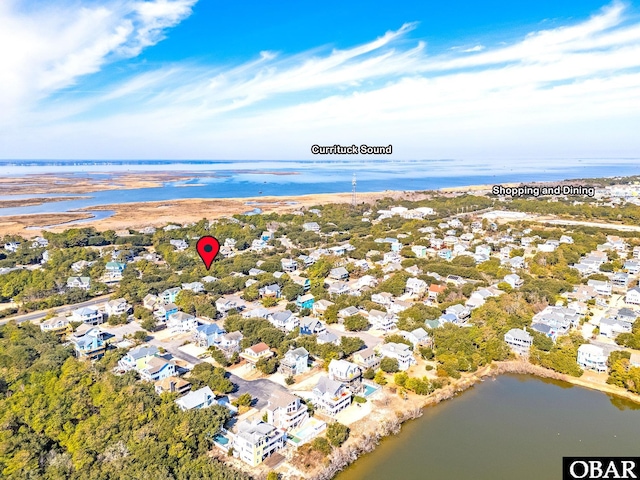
518	340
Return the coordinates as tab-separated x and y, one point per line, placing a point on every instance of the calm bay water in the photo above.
512	428
223	179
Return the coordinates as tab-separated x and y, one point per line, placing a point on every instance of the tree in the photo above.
322	445
389	365
267	365
369	374
243	400
140	336
380	378
356	323
337	434
149	324
400	379
268	302
349	345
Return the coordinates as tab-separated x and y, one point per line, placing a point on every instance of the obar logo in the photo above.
588	468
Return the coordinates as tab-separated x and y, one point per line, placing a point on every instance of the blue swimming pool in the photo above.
221	439
370	390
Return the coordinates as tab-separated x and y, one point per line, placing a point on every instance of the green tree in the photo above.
389	365
337	434
356	323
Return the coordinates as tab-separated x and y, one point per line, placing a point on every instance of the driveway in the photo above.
260	389
369	339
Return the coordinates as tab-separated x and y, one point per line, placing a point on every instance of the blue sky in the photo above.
266	80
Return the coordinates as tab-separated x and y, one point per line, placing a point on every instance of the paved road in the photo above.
369	340
260	389
29	317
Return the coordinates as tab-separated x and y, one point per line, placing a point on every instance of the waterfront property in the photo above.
592	357
286	411
519	340
257	440
330	396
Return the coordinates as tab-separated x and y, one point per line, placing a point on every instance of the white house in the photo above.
331	396
347	373
633	296
286	411
592	357
197	399
116	307
513	280
195	287
90	315
83	283
182	322
415	287
518	340
401	352
601	287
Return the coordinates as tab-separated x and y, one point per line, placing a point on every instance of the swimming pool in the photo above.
370	390
221	439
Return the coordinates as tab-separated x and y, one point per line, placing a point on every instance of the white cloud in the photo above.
571	90
46	49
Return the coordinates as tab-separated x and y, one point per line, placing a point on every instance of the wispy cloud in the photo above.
570	90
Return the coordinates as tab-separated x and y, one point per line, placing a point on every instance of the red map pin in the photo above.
208	248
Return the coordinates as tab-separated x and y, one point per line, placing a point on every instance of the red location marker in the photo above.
208	248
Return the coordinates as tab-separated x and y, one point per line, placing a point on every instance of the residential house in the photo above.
163	312
460	312
398	306
330	396
311	227
519	340
419	250
289	265
150	301
208	335
256	353
58	325
172	385
230	343
114	270
592	357
311	326
382	320
339	273
401	352
545	329
118	306
284	320
83	283
612	327
414	271
348	312
256	313
327	337
620	279
633	296
273	291
415	287
321	306
88	343
305	301
366	281
170	294
195	287
295	362
338	250
179	245
516	262
347	373
157	368
286	411
304	282
513	280
254	272
601	287
196	399
418	337
88	315
137	358
435	290
80	265
632	266
367	359
227	303
383	298
12	246
257	440
338	288
182	322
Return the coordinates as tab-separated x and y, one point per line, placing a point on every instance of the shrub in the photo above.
337	434
389	365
